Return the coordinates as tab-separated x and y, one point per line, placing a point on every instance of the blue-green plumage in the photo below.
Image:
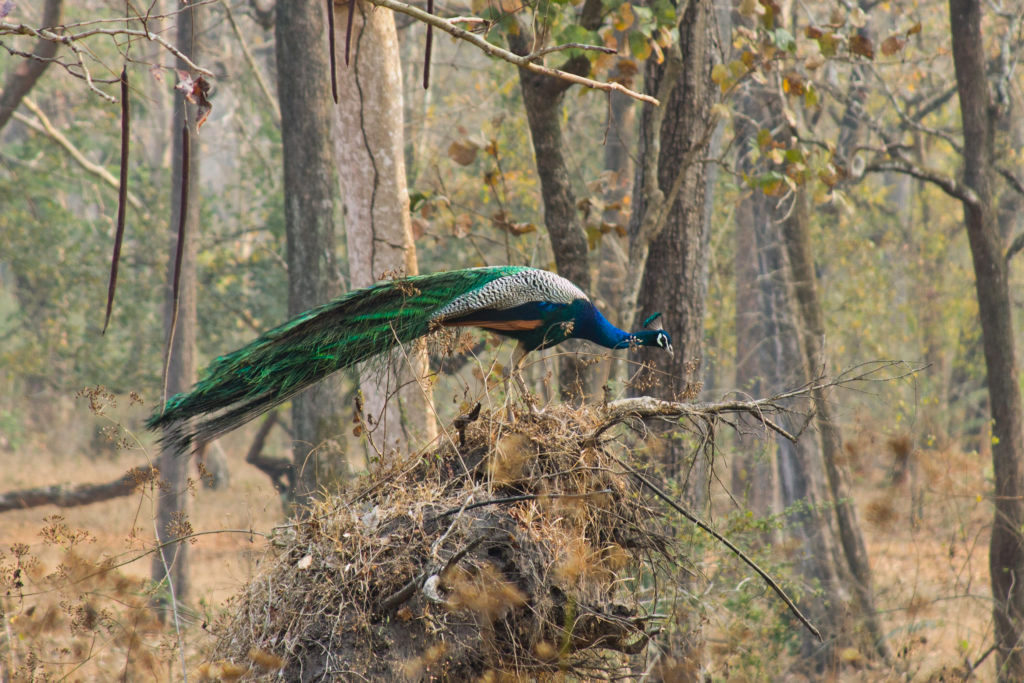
535	307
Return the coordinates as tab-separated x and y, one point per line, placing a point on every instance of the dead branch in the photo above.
67	496
765	576
648	407
280	470
69	39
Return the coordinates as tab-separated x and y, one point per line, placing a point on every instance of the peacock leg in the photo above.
518	356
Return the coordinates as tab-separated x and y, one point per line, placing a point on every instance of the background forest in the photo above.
827	198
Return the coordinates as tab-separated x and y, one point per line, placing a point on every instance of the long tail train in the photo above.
356	326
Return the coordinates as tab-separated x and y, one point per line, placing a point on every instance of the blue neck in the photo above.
595	327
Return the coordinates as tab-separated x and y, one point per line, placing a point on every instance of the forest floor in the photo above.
931	576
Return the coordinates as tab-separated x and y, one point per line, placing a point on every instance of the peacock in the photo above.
537	308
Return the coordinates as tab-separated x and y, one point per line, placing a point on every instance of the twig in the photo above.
570	46
174	602
495	51
727	543
44	126
135	558
517	499
647	406
70	39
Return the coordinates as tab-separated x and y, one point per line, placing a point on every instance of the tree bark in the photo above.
542	98
369	146
304	93
675	276
1006	553
171	561
24	76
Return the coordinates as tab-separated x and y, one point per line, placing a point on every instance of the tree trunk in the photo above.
171	514
25	75
542	99
304	92
796	238
675	276
369	145
1006	554
752	467
801	477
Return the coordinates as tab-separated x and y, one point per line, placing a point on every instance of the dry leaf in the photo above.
462	152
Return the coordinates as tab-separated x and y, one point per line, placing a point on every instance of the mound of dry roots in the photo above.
516	548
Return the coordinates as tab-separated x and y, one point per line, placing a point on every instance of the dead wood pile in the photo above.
520	551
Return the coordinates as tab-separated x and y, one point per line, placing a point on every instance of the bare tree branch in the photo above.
69	39
525	61
1015	246
42	124
949	185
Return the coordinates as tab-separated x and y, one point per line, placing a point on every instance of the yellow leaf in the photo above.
624	17
719	74
751	8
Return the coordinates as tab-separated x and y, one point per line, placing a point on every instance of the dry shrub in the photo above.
403	575
84	617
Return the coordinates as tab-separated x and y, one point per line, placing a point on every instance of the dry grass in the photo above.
532	597
82	609
404	574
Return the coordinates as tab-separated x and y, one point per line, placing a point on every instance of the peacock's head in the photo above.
654	334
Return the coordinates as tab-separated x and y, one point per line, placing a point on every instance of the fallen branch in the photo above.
68	496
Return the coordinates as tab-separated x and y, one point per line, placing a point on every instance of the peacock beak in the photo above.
671	353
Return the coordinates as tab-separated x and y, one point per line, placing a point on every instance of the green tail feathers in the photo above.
356	326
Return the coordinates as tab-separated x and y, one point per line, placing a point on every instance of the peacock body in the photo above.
536	307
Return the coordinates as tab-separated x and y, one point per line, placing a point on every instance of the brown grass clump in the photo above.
405	575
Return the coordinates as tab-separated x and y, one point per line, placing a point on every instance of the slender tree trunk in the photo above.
752	468
802	482
171	513
796	238
1006	552
304	91
369	146
612	265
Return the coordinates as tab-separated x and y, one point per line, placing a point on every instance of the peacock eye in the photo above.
661	340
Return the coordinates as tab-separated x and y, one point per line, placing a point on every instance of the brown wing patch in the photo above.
497	325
